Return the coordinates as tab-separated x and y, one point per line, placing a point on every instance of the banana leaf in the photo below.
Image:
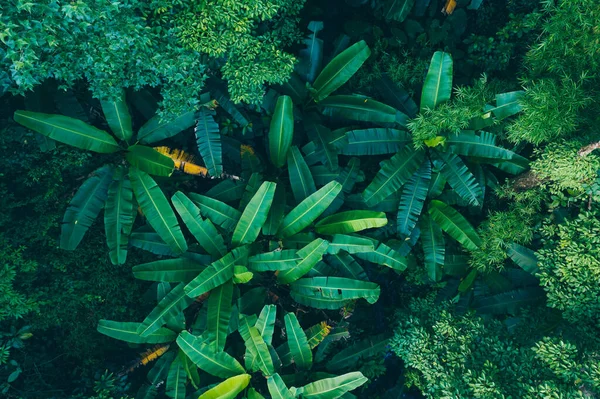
118	116
281	131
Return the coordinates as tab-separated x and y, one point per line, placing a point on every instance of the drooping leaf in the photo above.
176	380
218	212
216	273
118	116
412	199
454	224
219	364
157	210
169	270
84	207
228	389
362	109
437	88
172	304
385	256
393	174
208	139
149	160
335	387
301	180
281	131
68	130
348	357
509	302
332	292
350	222
276	260
151	241
118	216
254	215
524	257
374	141
297	342
308	210
324	151
158	128
127	331
309	256
434	247
219	312
350	175
277	388
340	70
460	178
395	95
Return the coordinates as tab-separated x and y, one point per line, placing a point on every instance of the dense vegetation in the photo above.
300	199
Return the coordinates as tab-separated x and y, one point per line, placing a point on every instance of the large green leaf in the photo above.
127	331
151	242
176	379
385	256
259	351
254	215
68	130
350	175
277	388
175	302
437	88
350	222
460	178
276	212
298	343
149	160
157	210
332	292
158	128
347	266
454	224
281	131
507	104
218	212
358	108
118	116
228	389
216	273
208	138
412	200
301	179
350	244
266	323
276	260
310	255
119	216
169	270
219	364
335	387
374	141
308	210
434	247
311	56
524	257
219	313
467	143
314	336
227	190
509	302
253	394
393	174
324	151
84	207
349	356
340	70
203	230
397	10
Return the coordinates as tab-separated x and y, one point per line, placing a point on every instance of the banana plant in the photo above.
118	187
